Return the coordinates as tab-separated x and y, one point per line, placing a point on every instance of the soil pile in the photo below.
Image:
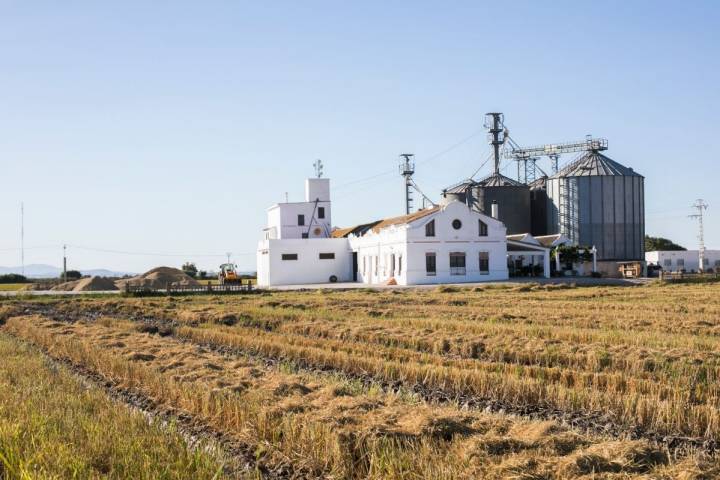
65	287
95	284
159	277
89	284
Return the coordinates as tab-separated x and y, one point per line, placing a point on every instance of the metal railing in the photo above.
139	290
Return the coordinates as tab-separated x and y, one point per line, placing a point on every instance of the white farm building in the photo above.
683	260
448	243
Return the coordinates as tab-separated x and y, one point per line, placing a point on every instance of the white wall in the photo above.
410	243
283	220
308	268
317	189
691	259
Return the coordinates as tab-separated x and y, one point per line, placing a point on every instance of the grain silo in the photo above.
512	198
595	201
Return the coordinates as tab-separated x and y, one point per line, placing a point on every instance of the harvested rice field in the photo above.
502	381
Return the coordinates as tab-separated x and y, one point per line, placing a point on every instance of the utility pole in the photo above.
22	237
64	263
407	168
229	254
700	205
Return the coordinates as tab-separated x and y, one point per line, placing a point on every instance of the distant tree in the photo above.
190	269
202	274
13	278
660	243
73	275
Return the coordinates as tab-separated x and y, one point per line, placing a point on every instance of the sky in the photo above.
154	133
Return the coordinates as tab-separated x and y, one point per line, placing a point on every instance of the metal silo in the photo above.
596	201
512	197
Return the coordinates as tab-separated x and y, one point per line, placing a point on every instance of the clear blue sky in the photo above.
169	127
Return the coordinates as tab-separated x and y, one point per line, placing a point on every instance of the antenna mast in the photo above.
22	237
407	168
700	205
318	168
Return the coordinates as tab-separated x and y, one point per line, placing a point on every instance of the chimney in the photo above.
494	209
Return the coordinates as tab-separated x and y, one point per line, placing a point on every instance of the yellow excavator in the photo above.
228	274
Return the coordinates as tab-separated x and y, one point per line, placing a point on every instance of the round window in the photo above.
456	224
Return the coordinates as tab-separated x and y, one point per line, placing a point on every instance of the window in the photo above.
289	256
457	224
430	263
680	263
304	234
392	264
484	263
430	228
327	256
457	263
301	220
321	212
667	262
482	228
399	265
717	263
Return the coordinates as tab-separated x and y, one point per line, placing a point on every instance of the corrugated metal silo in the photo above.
512	197
597	201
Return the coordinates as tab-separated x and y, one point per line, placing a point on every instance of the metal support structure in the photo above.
552	151
407	169
568	211
700	205
496	136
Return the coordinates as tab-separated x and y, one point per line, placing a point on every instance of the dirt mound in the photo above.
65	287
94	284
159	277
89	284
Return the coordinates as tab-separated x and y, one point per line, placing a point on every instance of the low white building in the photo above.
450	243
297	247
683	260
444	244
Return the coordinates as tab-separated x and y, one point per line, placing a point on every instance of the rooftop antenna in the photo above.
318	168
22	238
496	136
407	168
700	205
286	197
229	254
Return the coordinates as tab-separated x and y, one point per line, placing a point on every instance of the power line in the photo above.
426	160
148	254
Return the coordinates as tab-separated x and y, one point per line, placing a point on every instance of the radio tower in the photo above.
700	205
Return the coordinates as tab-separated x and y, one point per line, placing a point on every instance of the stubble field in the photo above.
504	381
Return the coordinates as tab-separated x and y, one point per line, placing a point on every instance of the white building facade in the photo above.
445	244
683	260
297	247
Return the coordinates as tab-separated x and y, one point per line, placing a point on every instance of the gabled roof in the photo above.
524	238
404	219
376	226
594	164
552	240
357	230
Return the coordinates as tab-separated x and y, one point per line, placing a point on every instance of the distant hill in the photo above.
49	271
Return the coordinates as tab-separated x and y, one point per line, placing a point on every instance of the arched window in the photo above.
430	228
482	228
